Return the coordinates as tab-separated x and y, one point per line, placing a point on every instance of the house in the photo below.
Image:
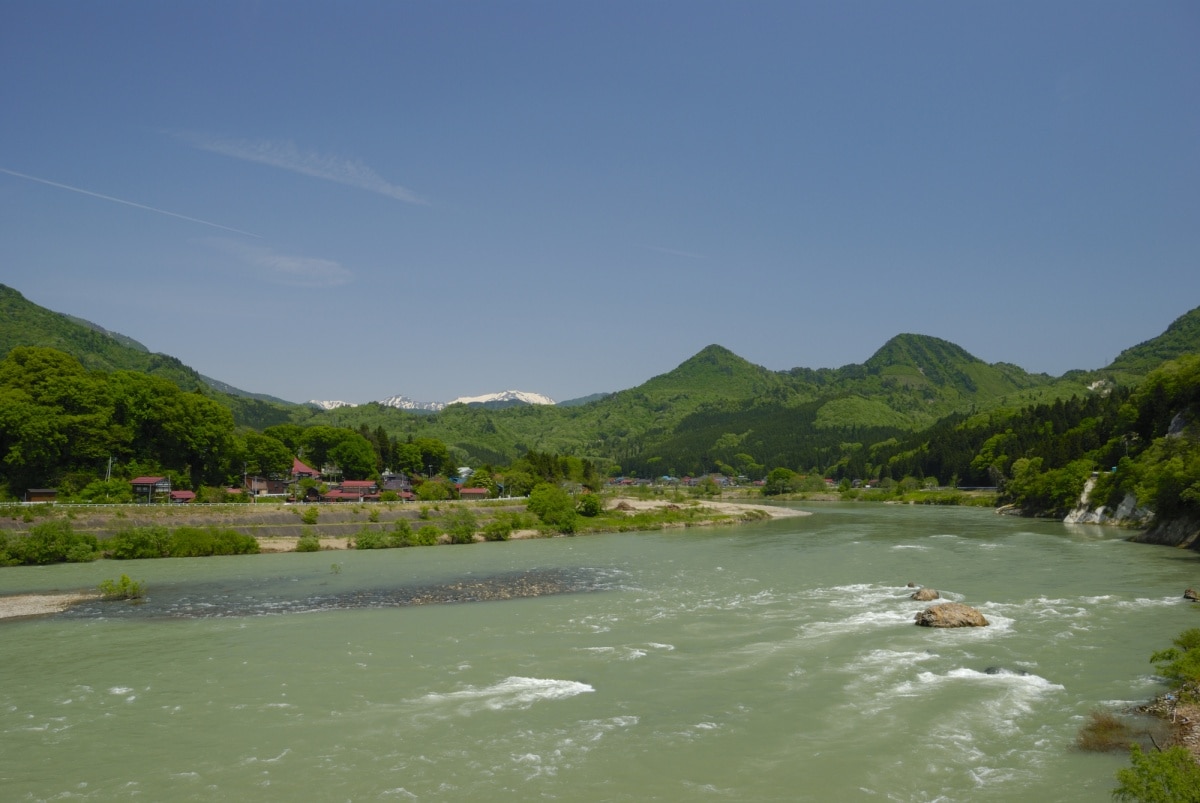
148	488
473	493
300	471
399	485
364	487
45	495
182	497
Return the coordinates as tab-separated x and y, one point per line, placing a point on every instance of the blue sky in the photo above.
350	201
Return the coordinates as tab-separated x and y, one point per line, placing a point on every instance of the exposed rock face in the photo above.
950	614
1183	533
925	595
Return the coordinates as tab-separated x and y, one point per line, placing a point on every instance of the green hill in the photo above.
23	323
1181	337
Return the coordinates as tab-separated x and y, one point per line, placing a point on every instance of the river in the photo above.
773	661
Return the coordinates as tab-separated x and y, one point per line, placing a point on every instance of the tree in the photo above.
553	506
780	481
1170	776
265	456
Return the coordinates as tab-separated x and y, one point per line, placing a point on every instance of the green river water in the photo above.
774	661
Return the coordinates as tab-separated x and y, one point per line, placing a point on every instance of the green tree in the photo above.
1170	776
553	506
780	481
461	524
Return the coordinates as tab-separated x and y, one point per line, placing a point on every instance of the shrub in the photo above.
122	589
1104	732
139	542
1181	663
461	524
309	542
53	542
196	542
498	529
553	506
427	535
367	538
590	505
309	516
1170	776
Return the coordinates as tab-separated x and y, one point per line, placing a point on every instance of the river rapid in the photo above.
773	661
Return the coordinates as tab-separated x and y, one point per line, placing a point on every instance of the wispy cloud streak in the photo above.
296	271
134	204
286	156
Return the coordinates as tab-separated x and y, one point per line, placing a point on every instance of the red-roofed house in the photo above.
182	497
146	488
473	493
302	472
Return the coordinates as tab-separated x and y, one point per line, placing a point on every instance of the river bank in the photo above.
277	530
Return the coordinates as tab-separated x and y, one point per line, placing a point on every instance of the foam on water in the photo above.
512	692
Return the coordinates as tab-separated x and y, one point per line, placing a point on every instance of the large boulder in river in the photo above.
925	595
1192	595
951	614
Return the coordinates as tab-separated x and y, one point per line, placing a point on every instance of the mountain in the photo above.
1181	337
505	398
330	405
492	401
23	323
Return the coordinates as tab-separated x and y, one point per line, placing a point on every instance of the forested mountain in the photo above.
1181	337
23	323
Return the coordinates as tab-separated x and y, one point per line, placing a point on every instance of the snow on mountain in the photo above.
519	396
504	398
331	405
405	403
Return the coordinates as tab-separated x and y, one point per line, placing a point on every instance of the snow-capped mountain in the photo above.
507	398
504	397
405	403
331	405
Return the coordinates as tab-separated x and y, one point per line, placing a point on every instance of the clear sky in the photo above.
324	200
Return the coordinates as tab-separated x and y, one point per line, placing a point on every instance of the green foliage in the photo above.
310	515
50	542
122	589
589	505
195	542
309	542
137	543
461	524
1105	732
1169	776
499	528
1180	663
780	481
553	506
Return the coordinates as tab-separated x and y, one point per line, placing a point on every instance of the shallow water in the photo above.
771	661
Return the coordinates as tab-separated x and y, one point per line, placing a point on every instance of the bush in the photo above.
309	542
1105	732
498	529
198	542
53	542
309	516
122	589
366	538
461	524
553	506
139	542
590	505
1181	663
1170	776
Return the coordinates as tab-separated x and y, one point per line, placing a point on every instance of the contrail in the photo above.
50	183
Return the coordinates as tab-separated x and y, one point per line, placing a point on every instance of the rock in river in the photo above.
951	614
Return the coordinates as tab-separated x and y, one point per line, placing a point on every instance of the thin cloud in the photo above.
295	271
286	156
135	205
